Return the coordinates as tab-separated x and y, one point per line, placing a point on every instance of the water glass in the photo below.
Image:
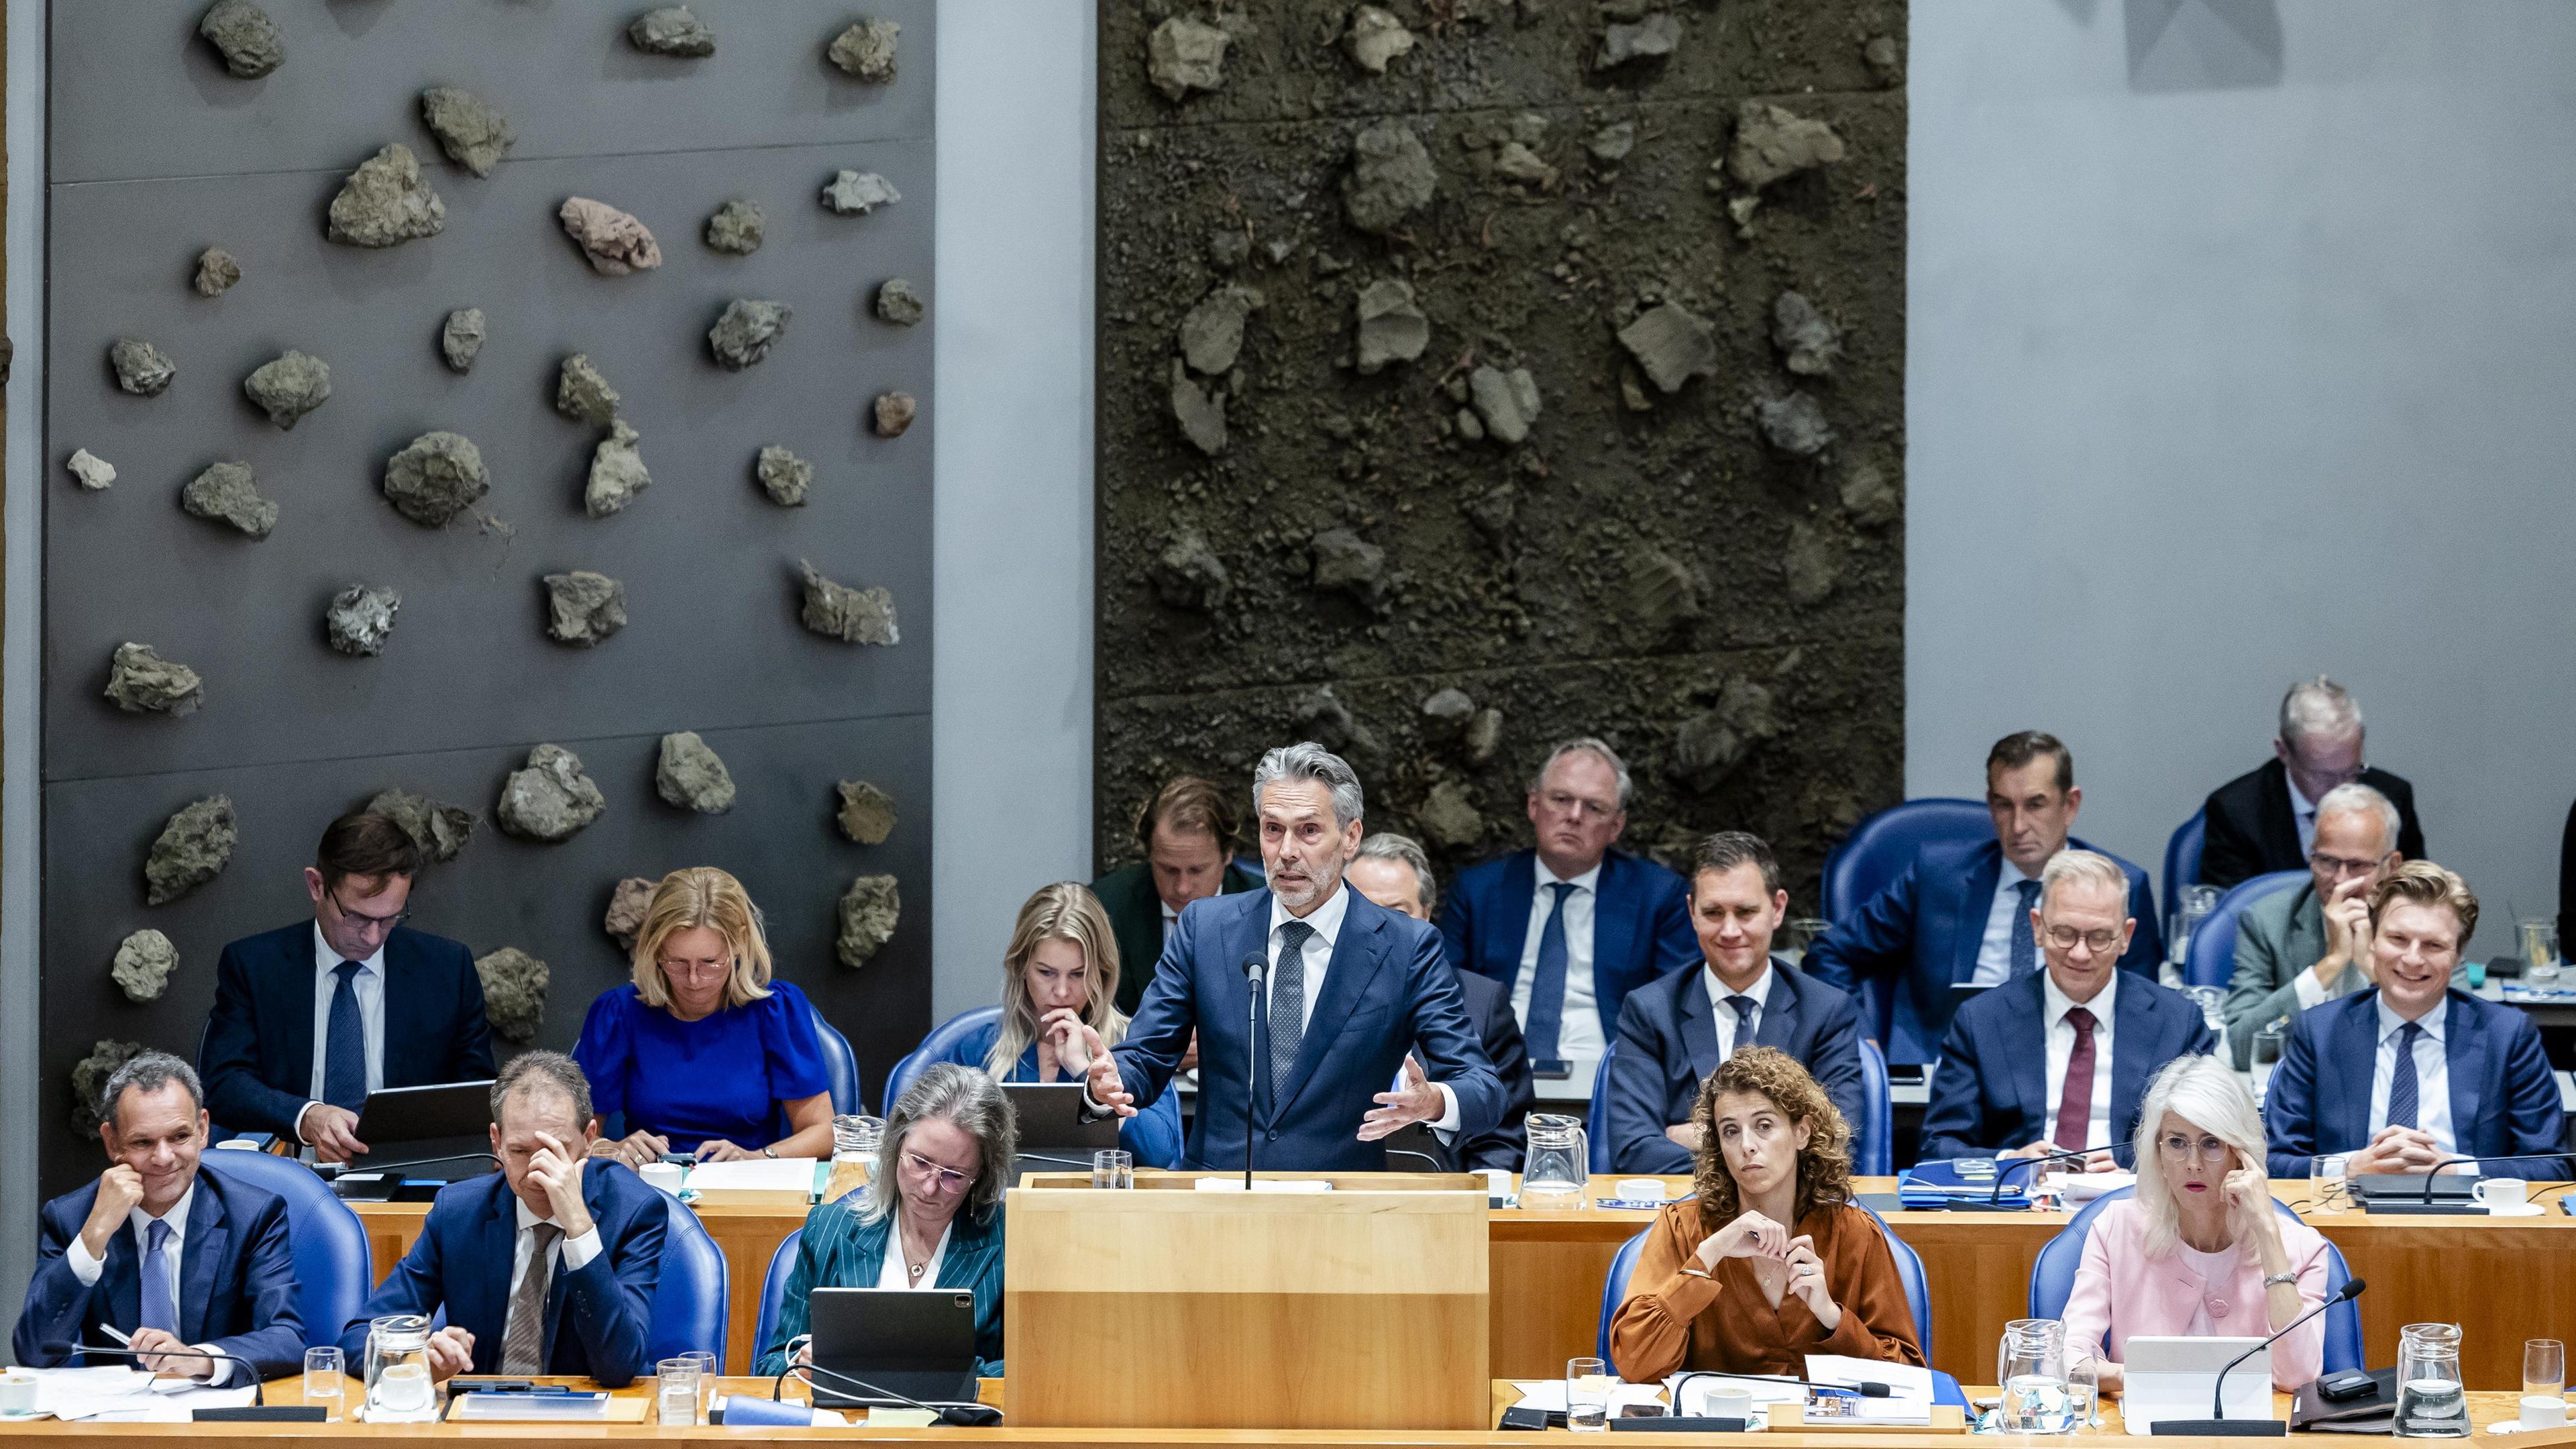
1112	1168
707	1371
1587	1394
326	1381
2084	1388
2540	952
2267	1055
675	1390
2330	1177
2544	1367
2432	1403
2212	1001
1803	933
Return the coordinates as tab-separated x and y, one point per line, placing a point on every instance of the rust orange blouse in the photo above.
1674	1320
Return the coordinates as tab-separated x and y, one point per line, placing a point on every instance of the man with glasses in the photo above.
1571	927
2266	819
2059	1060
299	1032
2297	948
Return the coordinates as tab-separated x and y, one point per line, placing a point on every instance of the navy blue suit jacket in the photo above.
1386	990
467	1248
257	1057
1640	925
1991	1089
1668	1045
236	1280
2504	1102
1920	934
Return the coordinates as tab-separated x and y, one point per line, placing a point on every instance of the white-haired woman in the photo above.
2200	1249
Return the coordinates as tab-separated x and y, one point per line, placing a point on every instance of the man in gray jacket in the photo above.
2296	948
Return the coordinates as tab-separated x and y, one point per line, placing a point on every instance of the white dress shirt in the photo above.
1578	1028
570	1254
896	1274
2105	1007
2304	811
86	1268
1325	922
1724	1015
369	987
1994	953
2432	1075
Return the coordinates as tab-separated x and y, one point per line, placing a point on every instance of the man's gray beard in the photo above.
1321	886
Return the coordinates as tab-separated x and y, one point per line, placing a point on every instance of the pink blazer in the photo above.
2120	1292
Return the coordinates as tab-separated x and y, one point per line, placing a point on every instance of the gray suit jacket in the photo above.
2278	937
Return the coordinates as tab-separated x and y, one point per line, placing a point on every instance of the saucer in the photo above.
2520	1210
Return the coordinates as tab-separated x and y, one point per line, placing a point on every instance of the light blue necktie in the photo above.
159	1309
2025	951
2402	1106
1547	988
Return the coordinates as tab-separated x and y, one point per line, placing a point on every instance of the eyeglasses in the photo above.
2181	1148
946	1179
1564	802
694	970
2338	867
2065	937
362	919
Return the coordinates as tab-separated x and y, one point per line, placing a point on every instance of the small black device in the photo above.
439	1131
2346	1386
1053	1125
1414	1147
2218	1425
1549	1069
489	1384
1642	1411
918	1345
1963	992
1670	1424
1521	1417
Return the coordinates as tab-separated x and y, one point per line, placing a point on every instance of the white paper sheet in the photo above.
755	1174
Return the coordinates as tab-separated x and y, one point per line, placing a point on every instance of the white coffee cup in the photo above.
2543	1411
18	1391
1641	1189
2498	1193
665	1175
1730	1403
1498	1181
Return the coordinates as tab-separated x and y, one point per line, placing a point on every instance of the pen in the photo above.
124	1340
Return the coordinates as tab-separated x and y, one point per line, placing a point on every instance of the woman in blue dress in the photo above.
702	1051
1059	975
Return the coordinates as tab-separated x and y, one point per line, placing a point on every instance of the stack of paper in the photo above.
754	1182
117	1394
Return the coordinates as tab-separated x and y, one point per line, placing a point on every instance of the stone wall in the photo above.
1548	382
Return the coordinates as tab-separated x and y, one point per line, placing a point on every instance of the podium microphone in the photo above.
961	1415
1253	966
2218	1424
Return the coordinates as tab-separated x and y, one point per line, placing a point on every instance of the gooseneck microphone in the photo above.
2003	1174
963	1415
2218	1423
1254	966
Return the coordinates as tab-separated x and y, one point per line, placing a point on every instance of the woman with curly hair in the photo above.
1772	1260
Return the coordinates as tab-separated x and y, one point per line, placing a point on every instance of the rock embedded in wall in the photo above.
867	813
551	799
614	242
1650	37
583	608
217	272
582	394
737	228
688	774
194	846
288	387
1506	403
92	472
856	193
360	618
435	478
746	332
227	493
461	339
244	36
1188	575
89	1078
1795	423
617	473
1809	342
870	909
140	681
141	369
1185	55
440	830
1375	38
853	616
627	905
783	477
386	202
897	303
472	133
1772	144
143	966
1392	327
672	31
1391	177
514	993
1672	344
866	51
892	414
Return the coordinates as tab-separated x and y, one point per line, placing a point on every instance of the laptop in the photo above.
1054	1137
917	1344
2171	1378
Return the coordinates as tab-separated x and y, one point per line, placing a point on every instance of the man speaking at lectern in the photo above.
1349	986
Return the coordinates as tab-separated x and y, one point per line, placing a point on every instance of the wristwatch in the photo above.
2279	1278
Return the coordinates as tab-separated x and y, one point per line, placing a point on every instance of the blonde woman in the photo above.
1060	975
702	1051
2199	1249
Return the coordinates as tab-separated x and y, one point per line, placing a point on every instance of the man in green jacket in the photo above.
2310	944
1191	832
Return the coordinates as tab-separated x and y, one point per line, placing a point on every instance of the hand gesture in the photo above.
718	1149
2100	1161
120	1188
2039	1148
1807	1280
451	1352
1416	1101
1061	1049
1751	1235
635	1149
1101	1078
332	1132
2347	919
558	1170
161	1352
1685	1135
2249	1200
2397	1149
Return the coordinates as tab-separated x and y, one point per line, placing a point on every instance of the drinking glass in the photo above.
1112	1168
2212	1001
2544	1367
2431	1401
1804	932
2083	1388
2267	1055
706	1363
2329	1177
675	1390
2540	952
1587	1394
326	1381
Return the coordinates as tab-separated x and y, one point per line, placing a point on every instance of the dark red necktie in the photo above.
2075	1101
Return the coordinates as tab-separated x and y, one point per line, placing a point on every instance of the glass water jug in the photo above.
1559	1162
2431	1403
2030	1365
400	1389
854	1154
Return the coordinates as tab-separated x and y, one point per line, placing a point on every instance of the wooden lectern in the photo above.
1165	1307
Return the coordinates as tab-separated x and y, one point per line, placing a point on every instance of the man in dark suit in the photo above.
300	1032
1571	927
1190	833
2411	1073
2266	820
1960	915
545	1267
1348	987
186	1263
1671	1034
1393	871
2060	1059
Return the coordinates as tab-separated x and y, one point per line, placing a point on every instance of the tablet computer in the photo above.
917	1344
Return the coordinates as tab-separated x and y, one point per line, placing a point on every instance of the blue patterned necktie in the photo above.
1744	1006
2402	1106
159	1309
2025	951
1287	1003
1547	988
344	1056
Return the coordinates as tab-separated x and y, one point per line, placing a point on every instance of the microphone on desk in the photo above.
2435	1170
1254	964
972	1416
2218	1423
58	1348
2003	1174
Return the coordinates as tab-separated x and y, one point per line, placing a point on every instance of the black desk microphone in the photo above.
2218	1423
964	1415
1253	966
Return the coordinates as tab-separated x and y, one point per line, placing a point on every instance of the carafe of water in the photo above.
854	1154
1559	1161
2431	1403
2030	1364
399	1387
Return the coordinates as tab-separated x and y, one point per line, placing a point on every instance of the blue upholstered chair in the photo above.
2210	958
773	1288
2182	855
1909	1269
1596	1124
2052	1281
840	1066
335	1270
936	1045
1875	853
692	1303
1874	1135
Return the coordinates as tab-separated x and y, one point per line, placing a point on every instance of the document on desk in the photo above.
116	1394
1911	1383
1548	1395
